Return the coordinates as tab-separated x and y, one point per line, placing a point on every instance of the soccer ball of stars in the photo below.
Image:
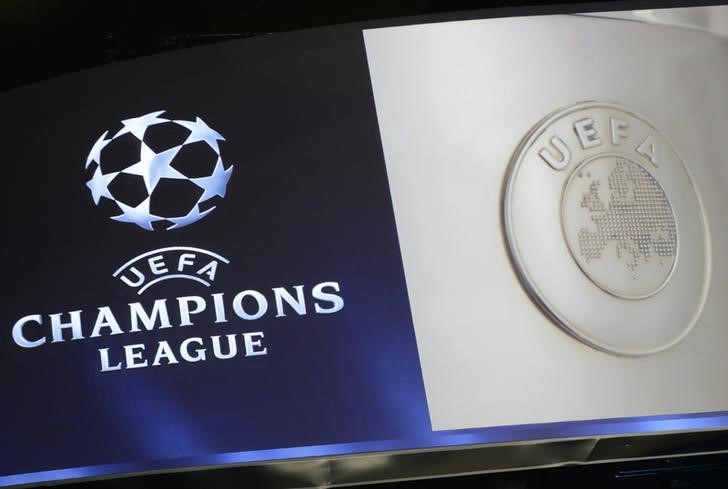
160	173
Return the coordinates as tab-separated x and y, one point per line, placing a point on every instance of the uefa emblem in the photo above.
606	231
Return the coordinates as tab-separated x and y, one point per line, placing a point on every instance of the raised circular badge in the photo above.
606	231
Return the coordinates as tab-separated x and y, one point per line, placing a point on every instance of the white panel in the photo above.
454	100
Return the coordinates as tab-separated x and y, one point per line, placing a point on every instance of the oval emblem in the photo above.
606	230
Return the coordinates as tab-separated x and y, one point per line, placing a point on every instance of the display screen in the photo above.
342	241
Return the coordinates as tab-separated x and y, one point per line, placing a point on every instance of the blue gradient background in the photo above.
308	202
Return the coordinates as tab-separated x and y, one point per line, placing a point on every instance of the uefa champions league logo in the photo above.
160	173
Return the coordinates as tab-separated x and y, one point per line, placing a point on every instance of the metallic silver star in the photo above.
192	216
152	167
216	183
138	215
95	153
99	185
138	125
202	132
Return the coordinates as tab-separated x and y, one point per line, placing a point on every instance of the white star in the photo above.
191	217
99	185
202	132
95	153
152	166
138	125
138	215
216	183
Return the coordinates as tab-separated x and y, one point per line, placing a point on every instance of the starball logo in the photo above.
161	174
151	162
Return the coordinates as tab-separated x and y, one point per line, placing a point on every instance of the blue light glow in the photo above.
458	438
